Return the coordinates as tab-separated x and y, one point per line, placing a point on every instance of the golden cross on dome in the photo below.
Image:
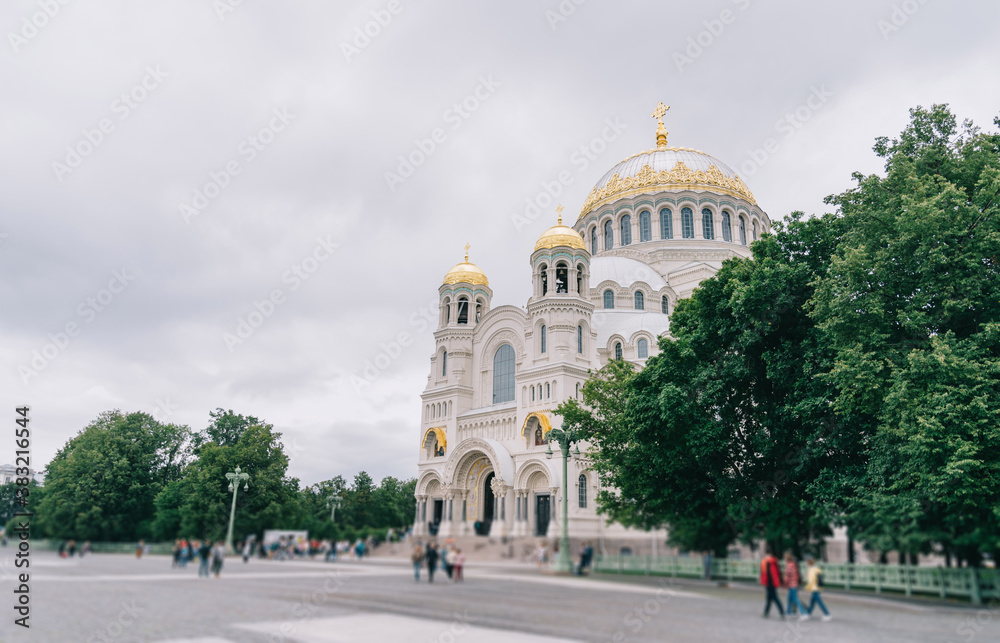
661	131
559	212
467	246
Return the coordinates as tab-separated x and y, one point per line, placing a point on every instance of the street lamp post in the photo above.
564	439
235	478
333	503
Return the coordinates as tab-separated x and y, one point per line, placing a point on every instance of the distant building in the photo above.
8	474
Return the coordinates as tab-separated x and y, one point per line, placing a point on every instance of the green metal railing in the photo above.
105	548
966	583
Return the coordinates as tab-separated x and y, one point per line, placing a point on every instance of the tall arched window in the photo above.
583	491
579	279
543	338
444	363
463	310
609	299
479	310
626	230
643	348
579	339
755	230
548	391
664	305
503	374
532	392
645	226
447	311
578	390
743	231
666	224
687	223
640	300
618	350
609	235
562	278
727	228
593	240
543	271
707	224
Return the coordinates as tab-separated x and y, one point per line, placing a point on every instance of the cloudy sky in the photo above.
244	205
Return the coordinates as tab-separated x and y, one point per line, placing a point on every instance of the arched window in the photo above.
618	350
593	240
579	339
640	300
543	338
645	226
562	278
532	392
743	231
447	311
687	223
583	491
609	238
609	299
479	310
544	272
578	390
444	363
707	224
463	310
755	230
664	305
643	349
626	230
727	228
579	279
503	374
666	224
548	391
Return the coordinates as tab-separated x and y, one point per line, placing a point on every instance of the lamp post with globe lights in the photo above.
235	478
565	440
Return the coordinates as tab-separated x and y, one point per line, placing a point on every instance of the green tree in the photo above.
911	303
102	483
198	505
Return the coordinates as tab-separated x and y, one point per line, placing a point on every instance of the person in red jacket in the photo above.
770	577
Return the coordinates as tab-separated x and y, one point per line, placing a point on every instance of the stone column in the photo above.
678	228
446	528
420	524
552	533
499	525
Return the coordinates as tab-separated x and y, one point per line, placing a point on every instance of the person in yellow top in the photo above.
813	575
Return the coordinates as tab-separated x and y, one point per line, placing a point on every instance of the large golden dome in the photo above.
466	273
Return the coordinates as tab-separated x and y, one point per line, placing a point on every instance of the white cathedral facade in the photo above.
651	230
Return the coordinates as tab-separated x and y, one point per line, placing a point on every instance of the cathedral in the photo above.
654	226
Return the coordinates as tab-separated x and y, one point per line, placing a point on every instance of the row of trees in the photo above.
129	476
849	374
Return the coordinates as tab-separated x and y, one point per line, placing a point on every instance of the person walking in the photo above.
770	578
814	584
792	580
417	558
447	555
204	555
458	565
218	557
140	548
247	551
432	559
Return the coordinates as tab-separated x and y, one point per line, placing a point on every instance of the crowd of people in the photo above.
448	558
67	548
772	577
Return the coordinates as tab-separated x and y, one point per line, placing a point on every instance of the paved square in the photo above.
119	598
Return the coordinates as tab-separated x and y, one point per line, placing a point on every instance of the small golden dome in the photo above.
465	272
560	235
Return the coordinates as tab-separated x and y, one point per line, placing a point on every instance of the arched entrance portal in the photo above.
489	505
